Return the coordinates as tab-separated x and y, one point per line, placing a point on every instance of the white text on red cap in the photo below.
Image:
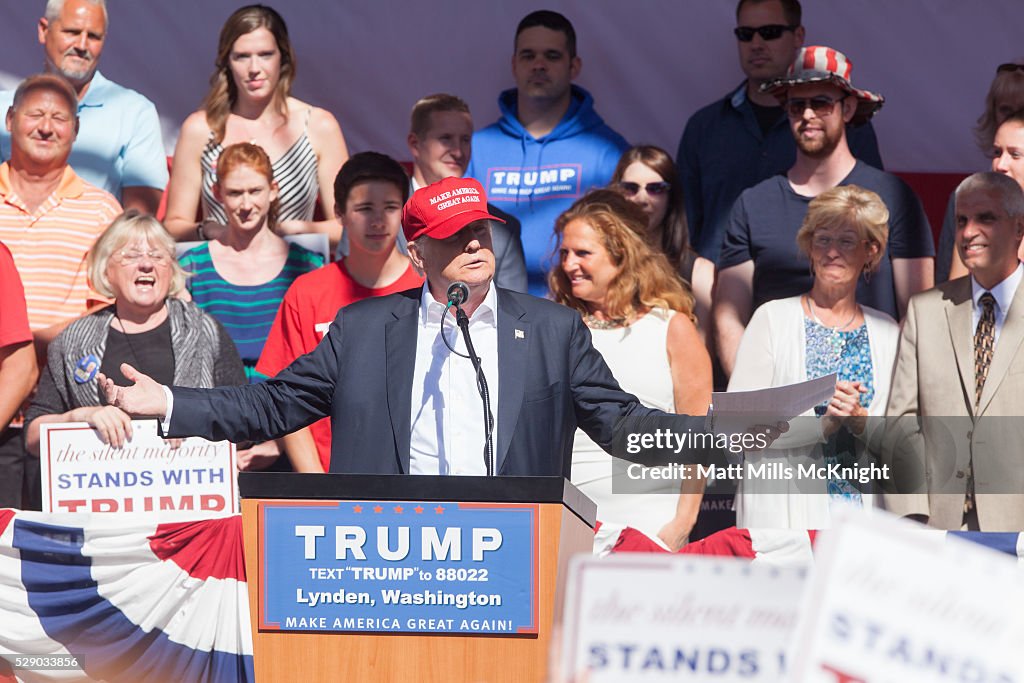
470	195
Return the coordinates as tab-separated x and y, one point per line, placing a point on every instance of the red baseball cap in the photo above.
441	209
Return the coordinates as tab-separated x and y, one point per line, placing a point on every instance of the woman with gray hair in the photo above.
821	332
132	263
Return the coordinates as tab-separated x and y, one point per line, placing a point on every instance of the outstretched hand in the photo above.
145	398
766	434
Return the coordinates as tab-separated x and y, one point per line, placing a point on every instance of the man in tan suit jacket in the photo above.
970	438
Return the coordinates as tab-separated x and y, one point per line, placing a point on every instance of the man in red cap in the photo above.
402	401
759	261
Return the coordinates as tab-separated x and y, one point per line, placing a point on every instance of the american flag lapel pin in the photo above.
520	334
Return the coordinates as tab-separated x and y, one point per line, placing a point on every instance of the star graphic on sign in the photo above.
418	509
357	509
398	509
378	509
439	510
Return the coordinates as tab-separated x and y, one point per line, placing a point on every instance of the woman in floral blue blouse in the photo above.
818	333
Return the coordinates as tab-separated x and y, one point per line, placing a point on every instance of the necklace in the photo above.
595	323
835	337
835	329
247	127
128	340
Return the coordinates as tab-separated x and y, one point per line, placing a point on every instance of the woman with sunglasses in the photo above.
1005	97
147	326
647	176
640	317
820	332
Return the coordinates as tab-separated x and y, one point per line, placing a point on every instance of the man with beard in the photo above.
743	138
119	148
760	260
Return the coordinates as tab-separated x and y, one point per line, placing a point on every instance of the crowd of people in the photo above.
771	250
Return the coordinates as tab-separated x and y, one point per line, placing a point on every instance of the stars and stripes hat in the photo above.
819	64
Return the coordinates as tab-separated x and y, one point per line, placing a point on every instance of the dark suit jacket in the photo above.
551	380
509	261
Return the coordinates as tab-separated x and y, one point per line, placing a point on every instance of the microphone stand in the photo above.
462	320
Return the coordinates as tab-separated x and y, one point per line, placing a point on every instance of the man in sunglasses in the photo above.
742	139
759	260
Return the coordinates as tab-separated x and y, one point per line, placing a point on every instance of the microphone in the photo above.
457	294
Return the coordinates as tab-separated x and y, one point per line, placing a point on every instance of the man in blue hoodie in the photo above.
549	146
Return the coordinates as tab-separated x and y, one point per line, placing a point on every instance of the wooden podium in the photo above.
563	526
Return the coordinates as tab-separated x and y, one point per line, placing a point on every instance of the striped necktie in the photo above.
984	342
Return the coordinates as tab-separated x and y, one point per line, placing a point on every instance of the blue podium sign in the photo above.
398	567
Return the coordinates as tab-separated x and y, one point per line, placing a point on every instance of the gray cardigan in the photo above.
204	356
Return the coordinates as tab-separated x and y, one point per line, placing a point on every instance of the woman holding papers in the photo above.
823	331
641	318
132	263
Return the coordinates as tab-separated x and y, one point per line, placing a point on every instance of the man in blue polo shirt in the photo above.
119	147
743	138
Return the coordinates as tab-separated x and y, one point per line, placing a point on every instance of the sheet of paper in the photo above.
738	411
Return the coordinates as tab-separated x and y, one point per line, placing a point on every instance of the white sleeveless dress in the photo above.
638	357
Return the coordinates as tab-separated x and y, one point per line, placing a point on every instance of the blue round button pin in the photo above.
86	369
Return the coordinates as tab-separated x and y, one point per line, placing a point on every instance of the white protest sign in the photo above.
80	473
891	602
675	617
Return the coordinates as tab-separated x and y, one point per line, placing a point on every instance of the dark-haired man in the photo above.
369	192
549	146
743	138
441	142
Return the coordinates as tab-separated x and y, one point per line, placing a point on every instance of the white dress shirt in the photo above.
1003	294
447	430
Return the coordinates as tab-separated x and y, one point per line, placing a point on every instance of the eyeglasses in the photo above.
821	106
745	34
1009	67
843	244
132	256
653	189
